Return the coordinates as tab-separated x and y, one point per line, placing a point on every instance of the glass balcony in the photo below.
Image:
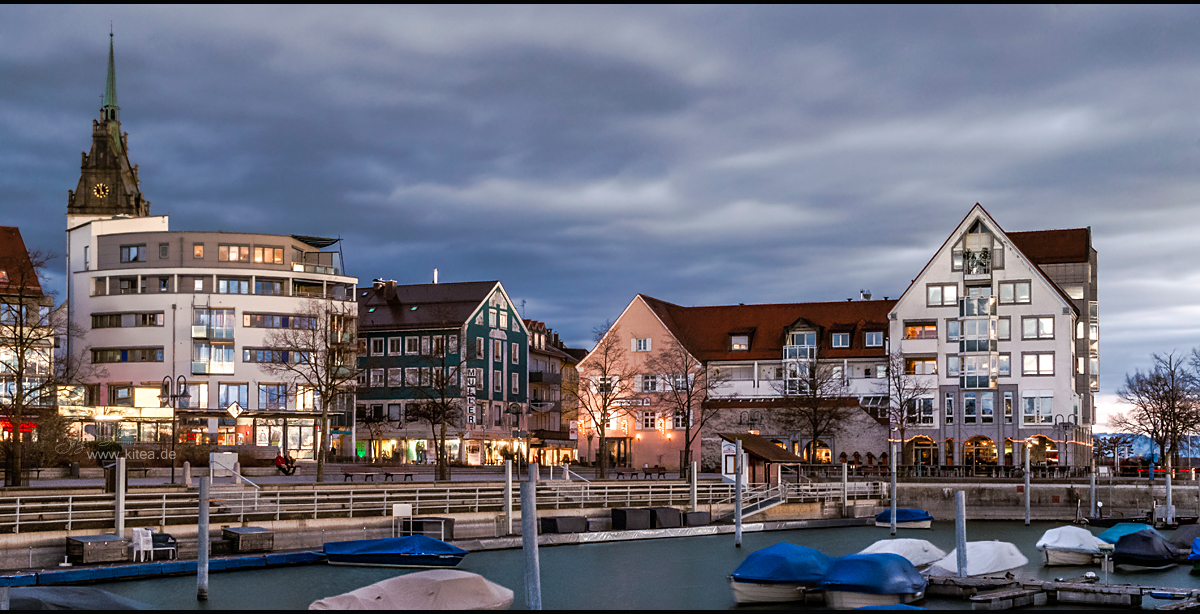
799	352
978	345
980	306
977	381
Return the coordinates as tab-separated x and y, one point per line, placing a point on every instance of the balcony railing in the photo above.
977	381
799	352
545	377
200	331
981	306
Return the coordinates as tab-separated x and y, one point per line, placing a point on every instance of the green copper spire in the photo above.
110	109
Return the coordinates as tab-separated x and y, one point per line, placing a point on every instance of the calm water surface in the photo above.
681	573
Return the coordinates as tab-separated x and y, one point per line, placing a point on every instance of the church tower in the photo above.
108	184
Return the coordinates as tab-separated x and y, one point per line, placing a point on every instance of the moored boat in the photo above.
983	559
778	573
407	551
905	519
1119	530
1194	556
918	551
858	580
1113	521
1143	551
1070	546
436	589
1183	538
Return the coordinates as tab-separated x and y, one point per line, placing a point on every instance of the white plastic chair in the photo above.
143	545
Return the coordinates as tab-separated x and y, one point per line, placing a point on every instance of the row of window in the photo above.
946	294
497	317
270	396
741	343
993	329
647	421
980	408
436	377
225	253
113	355
411	345
127	320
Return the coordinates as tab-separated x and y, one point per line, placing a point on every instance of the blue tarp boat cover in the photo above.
881	573
783	563
1145	548
904	515
1195	555
407	545
1122	529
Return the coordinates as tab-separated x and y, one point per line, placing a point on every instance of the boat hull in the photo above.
846	600
1108	523
422	561
1063	557
766	592
1145	567
919	524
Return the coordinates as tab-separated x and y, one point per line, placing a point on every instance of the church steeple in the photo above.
108	184
109	108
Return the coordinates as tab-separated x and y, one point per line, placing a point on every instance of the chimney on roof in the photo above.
377	283
864	295
885	298
435	276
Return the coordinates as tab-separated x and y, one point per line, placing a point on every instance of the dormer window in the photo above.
873	339
739	343
840	340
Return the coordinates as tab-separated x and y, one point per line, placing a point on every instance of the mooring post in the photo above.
120	519
1093	514
529	541
1170	519
845	481
693	480
508	510
739	466
4	598
1028	448
202	543
960	530
892	458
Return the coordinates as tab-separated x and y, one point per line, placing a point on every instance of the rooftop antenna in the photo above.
523	308
864	295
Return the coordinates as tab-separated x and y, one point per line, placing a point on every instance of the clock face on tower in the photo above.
100	190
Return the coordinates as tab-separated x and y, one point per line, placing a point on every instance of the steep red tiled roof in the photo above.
705	331
1053	246
15	263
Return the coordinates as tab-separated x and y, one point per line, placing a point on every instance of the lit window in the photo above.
739	343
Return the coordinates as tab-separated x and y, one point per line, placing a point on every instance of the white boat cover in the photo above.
1070	539
436	589
982	558
918	551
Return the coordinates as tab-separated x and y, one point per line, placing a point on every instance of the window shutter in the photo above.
648	342
669	420
594	381
637	420
637	383
633	345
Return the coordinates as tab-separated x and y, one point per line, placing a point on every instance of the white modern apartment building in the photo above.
146	303
1003	328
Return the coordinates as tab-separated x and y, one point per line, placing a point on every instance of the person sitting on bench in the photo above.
285	464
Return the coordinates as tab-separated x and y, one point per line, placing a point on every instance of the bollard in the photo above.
566	472
202	544
693	479
529	541
508	510
120	506
187	474
960	530
737	497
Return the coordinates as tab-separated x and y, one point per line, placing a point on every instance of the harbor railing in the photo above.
232	502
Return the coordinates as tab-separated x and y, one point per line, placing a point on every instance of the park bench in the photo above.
367	475
133	466
388	475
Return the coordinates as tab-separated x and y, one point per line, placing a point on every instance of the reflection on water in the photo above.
682	573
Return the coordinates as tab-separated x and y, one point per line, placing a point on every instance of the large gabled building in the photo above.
425	342
1006	328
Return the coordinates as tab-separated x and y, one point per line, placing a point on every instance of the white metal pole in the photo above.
845	480
1028	449
693	480
508	498
202	543
960	530
1170	501
1093	492
529	541
892	458
737	497
120	519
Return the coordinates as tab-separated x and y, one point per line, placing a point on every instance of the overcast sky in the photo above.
704	155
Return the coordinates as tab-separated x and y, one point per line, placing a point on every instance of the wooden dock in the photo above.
1008	592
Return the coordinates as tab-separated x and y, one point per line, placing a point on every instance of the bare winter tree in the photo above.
818	405
904	389
1163	403
1108	445
686	385
605	383
440	391
30	372
317	356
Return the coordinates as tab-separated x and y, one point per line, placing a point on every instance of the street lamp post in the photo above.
172	398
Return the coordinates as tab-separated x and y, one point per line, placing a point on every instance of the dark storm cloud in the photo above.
581	155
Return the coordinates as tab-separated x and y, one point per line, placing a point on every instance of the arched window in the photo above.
979	450
818	454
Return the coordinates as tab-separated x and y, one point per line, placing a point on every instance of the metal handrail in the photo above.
569	472
235	472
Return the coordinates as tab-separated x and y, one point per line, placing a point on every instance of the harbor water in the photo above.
677	573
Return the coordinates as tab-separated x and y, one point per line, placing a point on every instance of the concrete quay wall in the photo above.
1006	501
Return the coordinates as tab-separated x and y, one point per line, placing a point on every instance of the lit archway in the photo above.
820	453
922	450
979	450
